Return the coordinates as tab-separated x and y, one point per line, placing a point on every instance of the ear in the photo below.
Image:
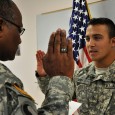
113	42
1	27
1	24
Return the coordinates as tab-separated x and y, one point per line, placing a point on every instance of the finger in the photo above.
38	55
51	44
57	42
41	54
63	47
69	47
63	39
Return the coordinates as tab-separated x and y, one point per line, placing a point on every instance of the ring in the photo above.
63	50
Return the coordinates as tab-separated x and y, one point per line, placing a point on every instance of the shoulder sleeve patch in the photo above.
23	92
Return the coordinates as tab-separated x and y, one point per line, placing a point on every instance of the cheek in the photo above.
12	44
105	49
87	45
16	39
104	46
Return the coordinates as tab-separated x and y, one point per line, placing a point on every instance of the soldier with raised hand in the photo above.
94	85
57	83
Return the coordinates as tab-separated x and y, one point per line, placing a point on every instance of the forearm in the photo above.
59	92
43	83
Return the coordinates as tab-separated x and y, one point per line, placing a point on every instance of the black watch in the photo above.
36	74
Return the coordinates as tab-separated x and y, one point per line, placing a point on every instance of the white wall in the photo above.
24	66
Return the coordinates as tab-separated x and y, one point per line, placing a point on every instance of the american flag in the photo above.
78	24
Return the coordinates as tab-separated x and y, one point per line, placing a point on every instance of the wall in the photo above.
24	66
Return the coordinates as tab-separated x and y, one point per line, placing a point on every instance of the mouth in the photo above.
93	52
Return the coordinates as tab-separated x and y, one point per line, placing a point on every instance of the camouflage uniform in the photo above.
58	91
95	92
13	99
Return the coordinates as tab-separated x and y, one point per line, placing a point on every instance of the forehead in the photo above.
97	29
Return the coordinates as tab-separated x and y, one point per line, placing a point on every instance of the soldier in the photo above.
13	99
94	85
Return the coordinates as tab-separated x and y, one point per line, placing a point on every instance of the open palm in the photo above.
39	57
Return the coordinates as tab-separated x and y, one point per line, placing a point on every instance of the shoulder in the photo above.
112	66
8	77
84	76
84	69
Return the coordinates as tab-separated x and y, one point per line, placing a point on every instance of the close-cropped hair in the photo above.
104	21
6	9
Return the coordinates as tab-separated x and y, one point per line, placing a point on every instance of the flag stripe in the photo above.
79	64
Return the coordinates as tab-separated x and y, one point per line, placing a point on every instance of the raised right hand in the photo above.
40	69
59	57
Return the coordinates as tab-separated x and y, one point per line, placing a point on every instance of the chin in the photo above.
10	58
93	59
7	57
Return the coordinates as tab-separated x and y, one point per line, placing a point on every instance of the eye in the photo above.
87	38
97	37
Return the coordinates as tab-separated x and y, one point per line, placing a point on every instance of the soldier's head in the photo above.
11	28
100	39
104	21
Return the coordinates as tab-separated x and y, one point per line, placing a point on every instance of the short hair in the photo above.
6	9
104	21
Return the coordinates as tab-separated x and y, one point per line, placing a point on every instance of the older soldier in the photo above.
94	85
13	99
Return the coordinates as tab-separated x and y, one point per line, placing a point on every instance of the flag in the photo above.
78	23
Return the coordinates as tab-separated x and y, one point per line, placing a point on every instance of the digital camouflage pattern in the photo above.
57	95
43	83
95	92
13	99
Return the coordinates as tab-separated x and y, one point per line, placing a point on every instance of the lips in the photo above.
92	52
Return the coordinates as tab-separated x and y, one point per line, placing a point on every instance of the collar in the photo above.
108	75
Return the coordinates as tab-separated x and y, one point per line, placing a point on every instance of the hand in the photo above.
57	61
40	69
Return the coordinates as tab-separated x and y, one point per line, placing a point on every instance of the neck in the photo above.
103	63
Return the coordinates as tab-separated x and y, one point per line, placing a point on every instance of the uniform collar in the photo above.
108	75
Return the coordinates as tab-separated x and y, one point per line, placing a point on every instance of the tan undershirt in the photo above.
100	70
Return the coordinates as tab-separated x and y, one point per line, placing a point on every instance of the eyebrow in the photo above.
94	35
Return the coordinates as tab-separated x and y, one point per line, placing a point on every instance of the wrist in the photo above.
39	75
36	74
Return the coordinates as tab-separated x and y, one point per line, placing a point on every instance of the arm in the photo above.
42	77
60	67
43	82
59	92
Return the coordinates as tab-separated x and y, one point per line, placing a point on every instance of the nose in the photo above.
90	43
